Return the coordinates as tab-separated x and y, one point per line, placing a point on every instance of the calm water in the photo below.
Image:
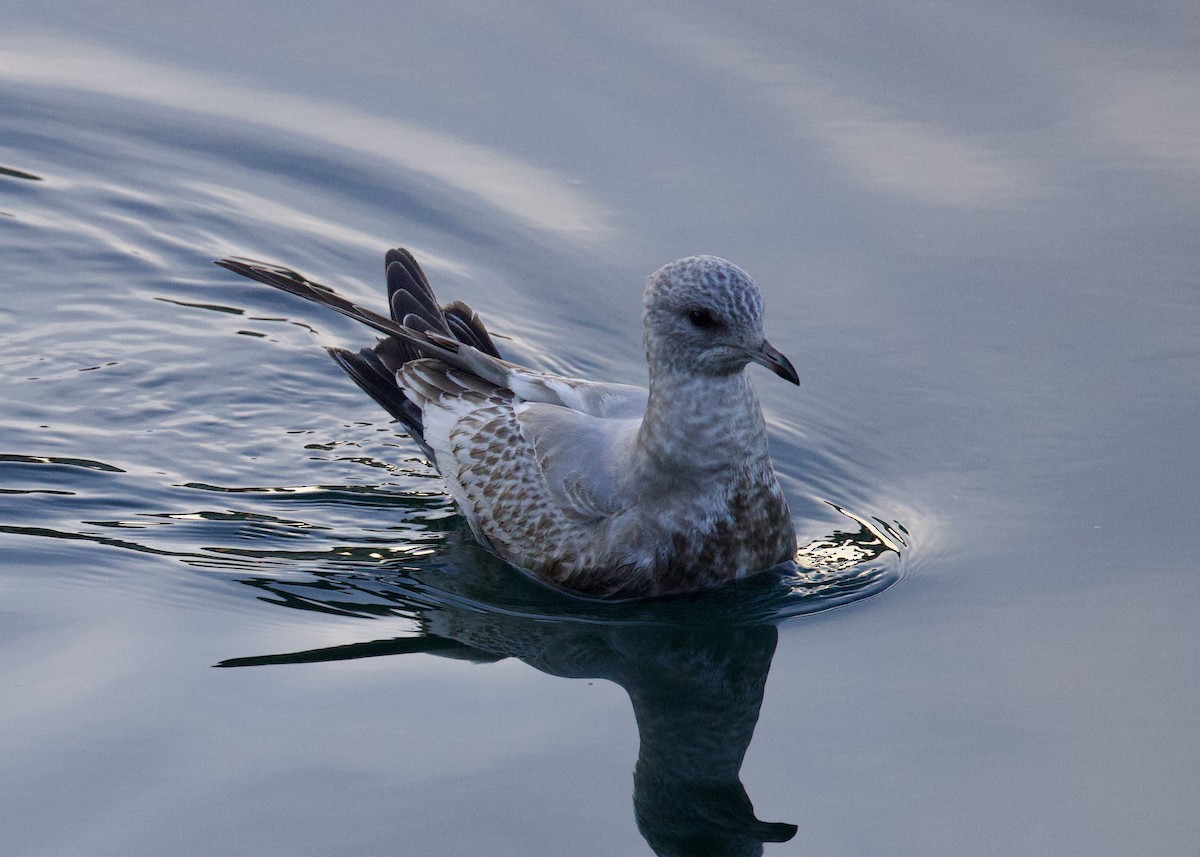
975	232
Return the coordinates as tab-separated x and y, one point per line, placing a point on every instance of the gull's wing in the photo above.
533	479
427	343
594	398
534	461
453	334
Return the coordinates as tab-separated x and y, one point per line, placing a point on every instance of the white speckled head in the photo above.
703	316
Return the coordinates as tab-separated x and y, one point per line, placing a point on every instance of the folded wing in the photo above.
531	458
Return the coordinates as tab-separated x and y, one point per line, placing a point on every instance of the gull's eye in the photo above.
701	318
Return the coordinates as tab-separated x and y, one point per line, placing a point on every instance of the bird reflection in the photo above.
694	667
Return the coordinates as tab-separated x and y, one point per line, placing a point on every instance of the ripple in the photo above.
59	461
452	572
18	174
410	550
535	196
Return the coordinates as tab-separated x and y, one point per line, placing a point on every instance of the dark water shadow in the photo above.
695	667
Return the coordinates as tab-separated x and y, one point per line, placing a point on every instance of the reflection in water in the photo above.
694	667
696	693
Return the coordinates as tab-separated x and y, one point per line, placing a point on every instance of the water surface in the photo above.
973	230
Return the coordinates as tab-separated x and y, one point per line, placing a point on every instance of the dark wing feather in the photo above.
405	258
405	303
428	344
419	328
467	327
297	284
408	294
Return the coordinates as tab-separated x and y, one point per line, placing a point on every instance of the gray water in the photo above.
974	228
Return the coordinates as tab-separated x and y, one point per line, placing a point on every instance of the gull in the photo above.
600	489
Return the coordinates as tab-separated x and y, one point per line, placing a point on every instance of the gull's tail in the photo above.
419	327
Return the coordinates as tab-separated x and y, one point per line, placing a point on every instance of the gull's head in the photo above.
704	316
